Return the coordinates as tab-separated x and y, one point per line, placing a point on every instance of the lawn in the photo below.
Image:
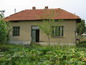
42	55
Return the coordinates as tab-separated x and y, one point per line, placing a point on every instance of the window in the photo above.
16	31
57	31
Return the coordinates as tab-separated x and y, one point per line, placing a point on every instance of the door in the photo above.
35	34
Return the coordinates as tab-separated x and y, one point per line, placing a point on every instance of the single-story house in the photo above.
25	29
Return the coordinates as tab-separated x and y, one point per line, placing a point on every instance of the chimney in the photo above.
14	10
33	8
46	7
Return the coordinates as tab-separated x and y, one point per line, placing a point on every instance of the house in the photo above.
25	29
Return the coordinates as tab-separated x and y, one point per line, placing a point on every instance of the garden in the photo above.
11	54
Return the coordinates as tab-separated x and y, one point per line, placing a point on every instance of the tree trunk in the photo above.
49	39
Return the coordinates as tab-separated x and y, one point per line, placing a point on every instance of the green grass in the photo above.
42	55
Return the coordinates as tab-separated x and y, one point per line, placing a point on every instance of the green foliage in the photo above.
85	29
81	27
1	14
40	55
8	29
3	32
4	28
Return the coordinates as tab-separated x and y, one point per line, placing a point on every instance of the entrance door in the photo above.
35	34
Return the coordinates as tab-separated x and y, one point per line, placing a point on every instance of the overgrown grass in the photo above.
42	55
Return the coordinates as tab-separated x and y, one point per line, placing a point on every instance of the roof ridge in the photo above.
44	9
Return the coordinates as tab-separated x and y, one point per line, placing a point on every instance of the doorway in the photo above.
35	34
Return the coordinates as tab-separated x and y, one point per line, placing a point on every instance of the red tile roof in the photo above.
38	14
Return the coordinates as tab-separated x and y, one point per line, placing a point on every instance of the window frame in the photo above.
60	33
16	31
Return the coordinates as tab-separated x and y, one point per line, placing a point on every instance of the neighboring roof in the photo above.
38	14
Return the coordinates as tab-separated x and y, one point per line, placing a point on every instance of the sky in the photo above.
77	7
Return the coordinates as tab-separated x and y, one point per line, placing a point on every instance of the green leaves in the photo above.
81	27
43	55
3	29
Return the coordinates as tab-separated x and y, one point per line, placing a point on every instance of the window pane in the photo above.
61	30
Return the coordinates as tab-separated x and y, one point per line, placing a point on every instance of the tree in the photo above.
47	23
2	14
46	28
81	27
3	31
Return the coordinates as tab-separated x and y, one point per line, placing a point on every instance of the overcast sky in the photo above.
74	6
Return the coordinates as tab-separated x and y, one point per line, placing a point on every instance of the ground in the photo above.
11	54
